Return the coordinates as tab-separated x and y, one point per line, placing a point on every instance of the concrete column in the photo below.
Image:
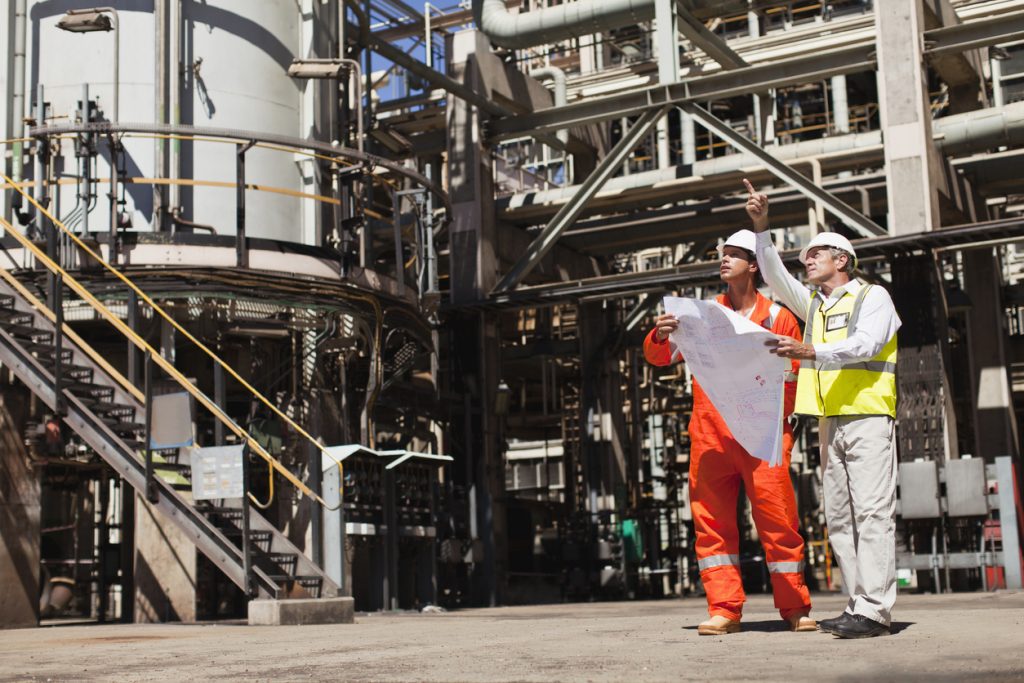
165	568
913	169
667	46
474	336
995	424
20	504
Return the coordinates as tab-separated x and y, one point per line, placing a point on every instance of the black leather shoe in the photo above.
829	625
859	626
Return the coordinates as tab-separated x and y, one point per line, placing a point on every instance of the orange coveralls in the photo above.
717	465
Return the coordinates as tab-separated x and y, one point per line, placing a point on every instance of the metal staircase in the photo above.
109	418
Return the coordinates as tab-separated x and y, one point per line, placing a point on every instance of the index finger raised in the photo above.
750	188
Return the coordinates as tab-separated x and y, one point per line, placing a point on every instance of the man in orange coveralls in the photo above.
718	464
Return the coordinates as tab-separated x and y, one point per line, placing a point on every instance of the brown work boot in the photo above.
718	625
801	622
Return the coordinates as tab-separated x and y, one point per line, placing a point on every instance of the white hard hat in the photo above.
829	239
744	239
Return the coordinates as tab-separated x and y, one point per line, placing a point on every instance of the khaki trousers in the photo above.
859	481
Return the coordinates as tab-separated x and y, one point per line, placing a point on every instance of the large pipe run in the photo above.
552	24
959	134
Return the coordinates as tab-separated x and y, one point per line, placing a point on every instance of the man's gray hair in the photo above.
837	252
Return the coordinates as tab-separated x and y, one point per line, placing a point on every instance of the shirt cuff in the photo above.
823	353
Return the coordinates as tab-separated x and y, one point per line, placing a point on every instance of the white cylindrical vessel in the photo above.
234	56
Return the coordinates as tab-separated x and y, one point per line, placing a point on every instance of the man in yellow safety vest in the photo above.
847	380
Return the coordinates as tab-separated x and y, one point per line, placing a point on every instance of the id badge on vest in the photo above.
836	322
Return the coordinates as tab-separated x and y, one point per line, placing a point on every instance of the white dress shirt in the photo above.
877	322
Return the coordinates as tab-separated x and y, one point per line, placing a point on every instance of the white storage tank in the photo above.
234	56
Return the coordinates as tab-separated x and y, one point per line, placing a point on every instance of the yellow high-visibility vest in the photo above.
861	388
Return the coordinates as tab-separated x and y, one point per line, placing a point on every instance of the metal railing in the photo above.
63	278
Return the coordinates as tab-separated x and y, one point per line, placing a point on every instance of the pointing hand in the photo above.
757	207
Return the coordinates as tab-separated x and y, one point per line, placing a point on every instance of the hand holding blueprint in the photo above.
745	382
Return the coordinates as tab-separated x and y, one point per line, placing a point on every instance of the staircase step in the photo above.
47	352
10	316
79	373
312	584
117	425
97	391
33	334
112	410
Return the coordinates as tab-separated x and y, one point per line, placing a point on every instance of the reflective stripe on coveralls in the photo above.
785	567
718	561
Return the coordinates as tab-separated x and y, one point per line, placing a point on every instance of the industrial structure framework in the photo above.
397	263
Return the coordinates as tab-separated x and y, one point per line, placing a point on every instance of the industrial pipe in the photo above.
557	76
552	24
958	134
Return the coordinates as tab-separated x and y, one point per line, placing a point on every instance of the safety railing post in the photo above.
133	323
241	248
151	494
246	543
58	345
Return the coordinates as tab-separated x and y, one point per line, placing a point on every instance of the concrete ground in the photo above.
936	638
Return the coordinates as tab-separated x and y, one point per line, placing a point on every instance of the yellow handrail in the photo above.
159	359
72	335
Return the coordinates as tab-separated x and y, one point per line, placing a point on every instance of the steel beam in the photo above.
855	219
691	274
572	209
720	85
752	79
1003	28
698	34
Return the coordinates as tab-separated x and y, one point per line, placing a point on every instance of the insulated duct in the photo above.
584	17
552	24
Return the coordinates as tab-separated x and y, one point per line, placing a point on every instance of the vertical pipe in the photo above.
428	236
689	136
160	115
173	99
85	194
117	65
840	104
114	242
396	220
998	97
17	112
151	494
42	158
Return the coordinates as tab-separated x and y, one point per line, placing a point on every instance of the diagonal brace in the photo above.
698	34
853	218
568	214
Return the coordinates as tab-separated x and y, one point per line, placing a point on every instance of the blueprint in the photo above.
746	383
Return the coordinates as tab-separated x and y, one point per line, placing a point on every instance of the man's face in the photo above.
821	265
736	265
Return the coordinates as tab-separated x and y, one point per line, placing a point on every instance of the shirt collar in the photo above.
851	287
